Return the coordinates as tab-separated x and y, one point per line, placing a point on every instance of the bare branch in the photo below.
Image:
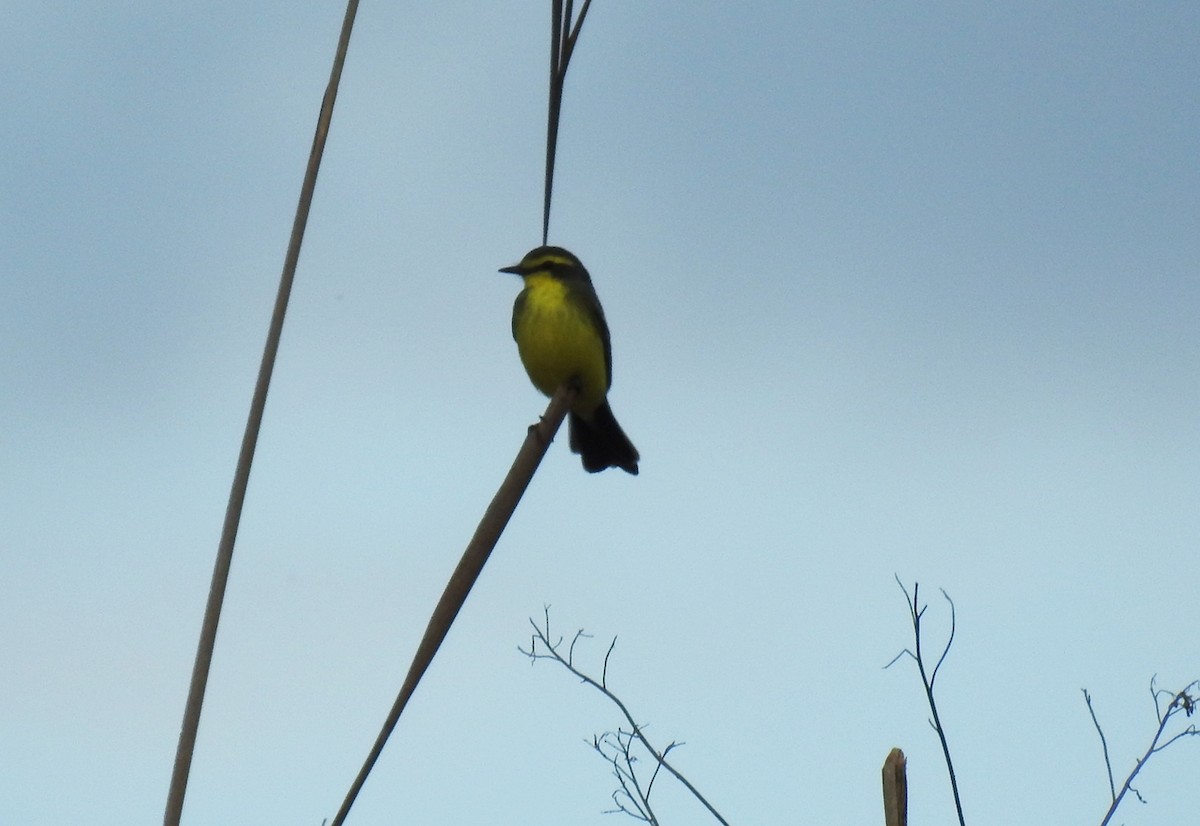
898	656
949	640
1190	731
1112	787
635	729
579	635
1180	701
916	612
622	760
604	671
658	766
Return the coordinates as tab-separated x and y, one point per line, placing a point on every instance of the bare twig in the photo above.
495	518
241	475
1112	787
619	753
916	612
552	652
1181	701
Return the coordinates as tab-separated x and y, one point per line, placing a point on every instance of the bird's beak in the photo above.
515	269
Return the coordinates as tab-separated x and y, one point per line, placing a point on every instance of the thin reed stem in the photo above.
241	475
494	520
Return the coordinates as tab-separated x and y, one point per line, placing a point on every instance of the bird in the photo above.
562	336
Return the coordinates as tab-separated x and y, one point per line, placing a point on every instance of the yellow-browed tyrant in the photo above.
561	334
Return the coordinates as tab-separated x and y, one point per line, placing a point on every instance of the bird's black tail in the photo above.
601	442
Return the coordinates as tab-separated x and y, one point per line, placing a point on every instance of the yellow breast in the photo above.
558	342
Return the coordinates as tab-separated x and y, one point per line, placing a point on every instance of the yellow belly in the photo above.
558	342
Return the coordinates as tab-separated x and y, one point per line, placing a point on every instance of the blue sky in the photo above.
894	289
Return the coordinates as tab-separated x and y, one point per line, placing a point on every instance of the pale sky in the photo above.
894	289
